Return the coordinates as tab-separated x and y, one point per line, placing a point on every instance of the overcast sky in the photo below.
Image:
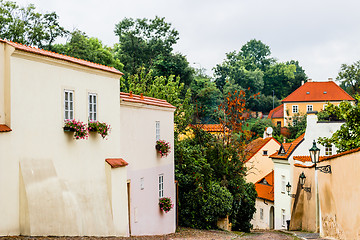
320	34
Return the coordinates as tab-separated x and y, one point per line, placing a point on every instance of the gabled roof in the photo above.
253	147
277	112
50	54
318	92
210	127
4	128
265	187
129	97
116	162
287	148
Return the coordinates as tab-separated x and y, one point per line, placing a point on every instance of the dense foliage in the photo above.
348	136
350	77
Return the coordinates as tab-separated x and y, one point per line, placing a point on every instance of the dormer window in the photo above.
307	92
325	92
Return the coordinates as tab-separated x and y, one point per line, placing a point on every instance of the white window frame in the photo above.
295	108
309	108
283	217
92	101
157	130
68	104
283	184
261	213
161	185
328	150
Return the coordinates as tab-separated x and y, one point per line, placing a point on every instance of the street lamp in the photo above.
288	189
302	178
315	154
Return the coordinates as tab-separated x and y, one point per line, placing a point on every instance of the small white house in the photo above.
144	120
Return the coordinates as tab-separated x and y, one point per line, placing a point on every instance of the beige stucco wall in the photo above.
61	180
138	139
340	198
260	165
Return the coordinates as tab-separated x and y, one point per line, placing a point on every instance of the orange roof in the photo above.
253	147
209	127
129	97
318	92
4	128
305	159
116	162
46	53
287	148
277	112
265	187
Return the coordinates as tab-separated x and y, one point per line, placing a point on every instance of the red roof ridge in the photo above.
4	128
266	191
130	97
290	150
60	56
275	110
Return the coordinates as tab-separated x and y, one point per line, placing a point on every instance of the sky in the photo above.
320	34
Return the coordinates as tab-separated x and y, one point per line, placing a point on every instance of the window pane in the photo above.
71	106
71	96
71	115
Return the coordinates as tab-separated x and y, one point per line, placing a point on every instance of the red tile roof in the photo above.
253	147
288	148
210	127
318	92
277	112
4	128
305	159
46	53
129	97
266	191
116	162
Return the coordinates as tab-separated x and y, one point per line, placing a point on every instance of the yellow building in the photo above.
309	97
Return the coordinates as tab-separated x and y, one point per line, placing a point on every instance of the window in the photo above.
265	153
157	130
161	185
309	108
295	108
68	104
283	184
92	106
328	150
261	213
324	106
283	217
278	123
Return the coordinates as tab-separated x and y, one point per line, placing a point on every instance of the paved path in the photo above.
267	235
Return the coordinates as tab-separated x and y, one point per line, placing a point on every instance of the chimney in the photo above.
309	80
302	82
330	79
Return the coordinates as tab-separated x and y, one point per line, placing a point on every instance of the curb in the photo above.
292	233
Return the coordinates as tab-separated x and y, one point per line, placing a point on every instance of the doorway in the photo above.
271	215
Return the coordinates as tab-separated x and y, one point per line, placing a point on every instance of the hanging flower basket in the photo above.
162	147
102	128
79	129
165	204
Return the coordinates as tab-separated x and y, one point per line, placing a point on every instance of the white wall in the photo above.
138	125
63	177
257	222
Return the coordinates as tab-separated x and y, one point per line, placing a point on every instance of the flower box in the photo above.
162	147
165	204
69	129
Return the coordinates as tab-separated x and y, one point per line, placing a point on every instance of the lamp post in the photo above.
315	154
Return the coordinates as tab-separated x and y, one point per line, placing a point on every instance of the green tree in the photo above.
142	42
25	25
258	55
91	49
350	77
167	88
348	136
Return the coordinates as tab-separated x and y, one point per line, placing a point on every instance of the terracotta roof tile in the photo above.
210	127
4	128
277	112
288	148
253	147
129	97
46	53
318	91
305	159
116	162
266	191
